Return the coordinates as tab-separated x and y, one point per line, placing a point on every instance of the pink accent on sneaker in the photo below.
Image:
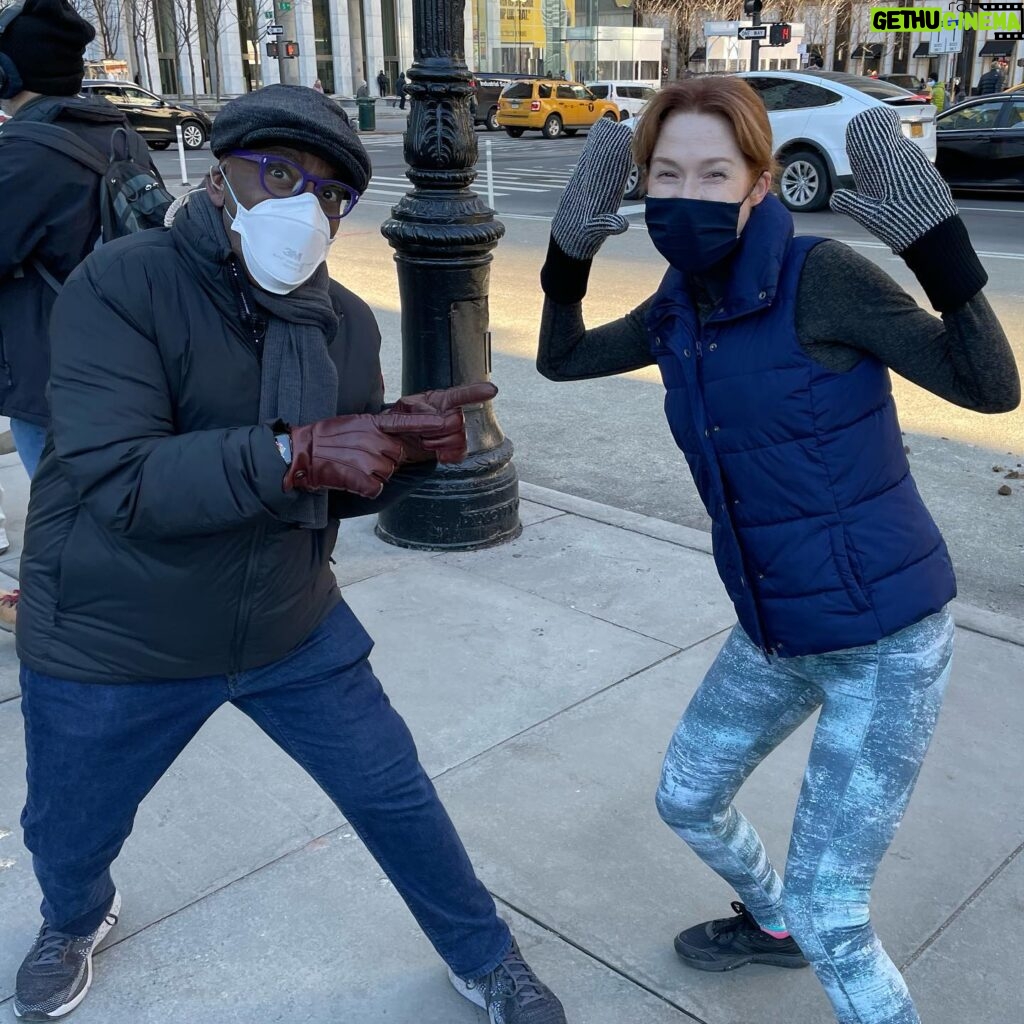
775	935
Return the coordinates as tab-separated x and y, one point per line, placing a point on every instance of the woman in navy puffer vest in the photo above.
775	353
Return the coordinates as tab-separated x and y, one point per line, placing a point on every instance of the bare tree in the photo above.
254	28
214	17
860	31
184	39
680	20
108	16
821	20
140	14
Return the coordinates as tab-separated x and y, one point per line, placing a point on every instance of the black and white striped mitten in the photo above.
900	196
588	212
902	199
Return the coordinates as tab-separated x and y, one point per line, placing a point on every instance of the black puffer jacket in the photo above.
154	547
49	211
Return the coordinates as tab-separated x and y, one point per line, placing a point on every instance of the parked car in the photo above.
911	83
552	107
155	119
487	88
981	143
809	111
629	97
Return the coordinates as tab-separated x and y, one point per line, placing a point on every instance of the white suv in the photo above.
629	97
809	111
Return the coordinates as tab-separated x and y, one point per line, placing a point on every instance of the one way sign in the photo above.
749	32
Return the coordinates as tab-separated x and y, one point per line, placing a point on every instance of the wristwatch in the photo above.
284	446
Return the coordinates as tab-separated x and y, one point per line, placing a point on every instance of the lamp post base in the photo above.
460	508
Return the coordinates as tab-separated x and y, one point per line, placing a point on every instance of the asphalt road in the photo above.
529	173
612	442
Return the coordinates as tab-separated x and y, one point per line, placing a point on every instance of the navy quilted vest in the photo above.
820	535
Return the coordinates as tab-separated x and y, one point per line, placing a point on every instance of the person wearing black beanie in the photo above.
41	68
41	49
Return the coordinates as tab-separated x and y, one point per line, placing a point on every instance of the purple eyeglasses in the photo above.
281	178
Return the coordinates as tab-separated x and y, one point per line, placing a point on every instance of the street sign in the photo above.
749	32
275	30
720	28
946	41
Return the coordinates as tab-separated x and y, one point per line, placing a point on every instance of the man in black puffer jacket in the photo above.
217	406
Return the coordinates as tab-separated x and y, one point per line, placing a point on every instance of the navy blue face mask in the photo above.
693	234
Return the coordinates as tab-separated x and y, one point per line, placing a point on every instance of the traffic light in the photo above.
779	34
292	49
752	6
272	50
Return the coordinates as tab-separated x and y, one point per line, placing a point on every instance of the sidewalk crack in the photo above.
590	955
967	903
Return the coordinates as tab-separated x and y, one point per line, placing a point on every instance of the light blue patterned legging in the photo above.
879	705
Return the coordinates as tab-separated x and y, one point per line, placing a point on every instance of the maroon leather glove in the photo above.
353	453
448	444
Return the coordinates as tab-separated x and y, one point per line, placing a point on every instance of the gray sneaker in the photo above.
512	993
55	976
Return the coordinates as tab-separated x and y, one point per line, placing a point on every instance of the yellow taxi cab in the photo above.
552	107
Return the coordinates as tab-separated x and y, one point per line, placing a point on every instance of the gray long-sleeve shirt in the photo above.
846	307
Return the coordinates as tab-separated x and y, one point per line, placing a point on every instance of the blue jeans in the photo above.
96	750
879	705
29	440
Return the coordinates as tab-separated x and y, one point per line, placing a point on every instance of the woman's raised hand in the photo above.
588	212
899	196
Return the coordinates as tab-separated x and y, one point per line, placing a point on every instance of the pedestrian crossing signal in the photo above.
779	34
273	50
291	49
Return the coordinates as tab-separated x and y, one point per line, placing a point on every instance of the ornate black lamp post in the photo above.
443	235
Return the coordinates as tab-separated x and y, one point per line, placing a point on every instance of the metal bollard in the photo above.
181	155
490	174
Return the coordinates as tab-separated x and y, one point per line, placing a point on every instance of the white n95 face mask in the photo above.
283	240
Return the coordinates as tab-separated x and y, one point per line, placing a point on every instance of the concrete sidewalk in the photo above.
542	680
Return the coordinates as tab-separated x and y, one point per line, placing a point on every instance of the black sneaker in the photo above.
732	942
512	994
57	972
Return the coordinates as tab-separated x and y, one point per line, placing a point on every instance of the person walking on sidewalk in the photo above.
991	82
382	83
775	352
401	88
217	406
49	207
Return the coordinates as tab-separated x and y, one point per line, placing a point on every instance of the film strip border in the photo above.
997	8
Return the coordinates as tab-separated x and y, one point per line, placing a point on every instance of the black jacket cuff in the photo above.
945	263
563	278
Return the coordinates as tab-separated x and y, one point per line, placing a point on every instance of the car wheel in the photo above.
552	127
492	120
194	134
611	115
570	131
158	144
515	133
804	182
634	184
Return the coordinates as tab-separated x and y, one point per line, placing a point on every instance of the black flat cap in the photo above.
293	115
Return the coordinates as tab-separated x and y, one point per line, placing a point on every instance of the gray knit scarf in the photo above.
299	380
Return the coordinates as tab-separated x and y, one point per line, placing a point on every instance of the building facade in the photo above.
220	47
226	47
